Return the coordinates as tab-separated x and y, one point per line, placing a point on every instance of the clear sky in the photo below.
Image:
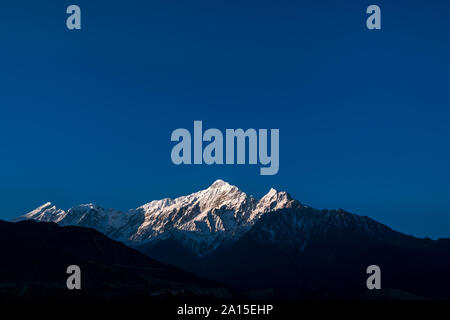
364	116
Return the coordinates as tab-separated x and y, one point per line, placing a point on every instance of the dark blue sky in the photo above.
364	116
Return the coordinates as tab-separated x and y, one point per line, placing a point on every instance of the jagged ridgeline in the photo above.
203	220
271	247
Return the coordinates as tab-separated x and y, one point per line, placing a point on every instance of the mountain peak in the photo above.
43	208
46	212
46	205
273	200
203	220
219	183
273	194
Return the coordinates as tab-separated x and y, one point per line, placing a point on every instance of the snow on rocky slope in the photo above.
202	220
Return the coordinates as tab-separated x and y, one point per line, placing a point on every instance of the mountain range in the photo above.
271	247
203	220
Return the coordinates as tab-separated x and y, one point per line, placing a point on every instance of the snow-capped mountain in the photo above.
274	246
85	215
202	221
46	213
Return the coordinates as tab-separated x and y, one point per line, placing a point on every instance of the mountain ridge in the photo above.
203	220
275	246
207	219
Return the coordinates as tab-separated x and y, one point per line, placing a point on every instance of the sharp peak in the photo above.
274	191
39	210
220	183
47	204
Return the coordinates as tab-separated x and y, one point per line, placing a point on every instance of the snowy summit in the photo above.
203	220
